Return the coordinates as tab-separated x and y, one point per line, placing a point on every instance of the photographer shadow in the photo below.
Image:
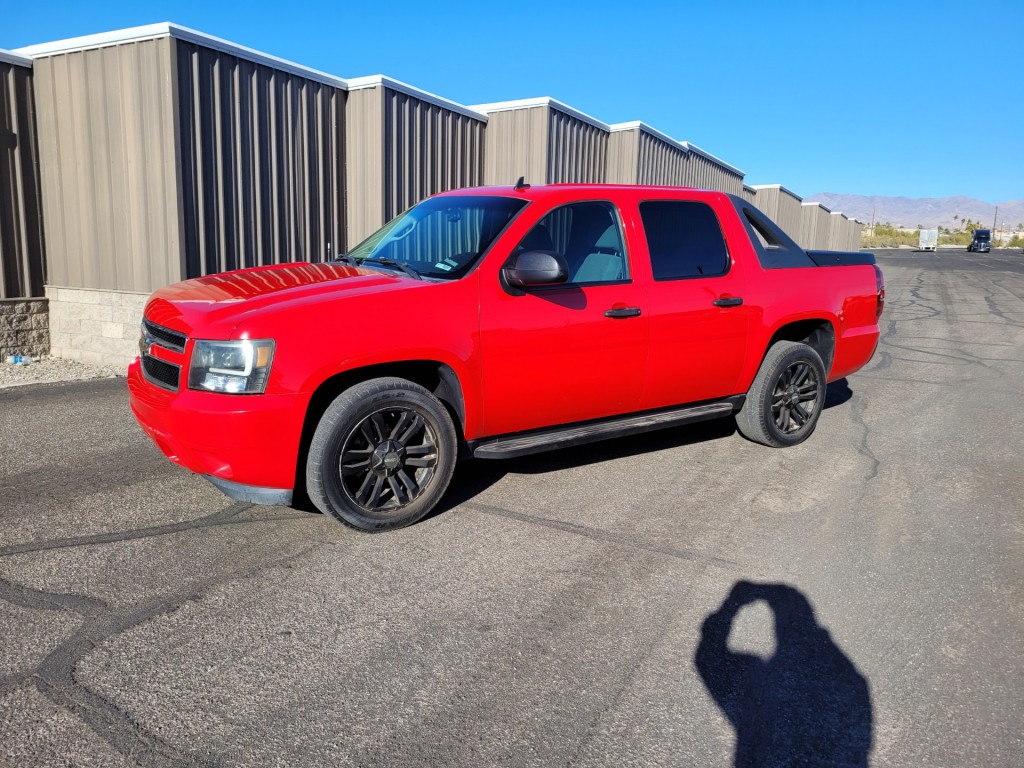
805	705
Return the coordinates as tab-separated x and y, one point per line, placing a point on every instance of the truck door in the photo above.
698	323
571	352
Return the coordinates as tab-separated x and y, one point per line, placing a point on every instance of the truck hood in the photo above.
216	304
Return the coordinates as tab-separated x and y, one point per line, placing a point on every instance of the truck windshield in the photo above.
982	234
442	237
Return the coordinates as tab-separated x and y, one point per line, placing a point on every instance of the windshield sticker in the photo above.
442	266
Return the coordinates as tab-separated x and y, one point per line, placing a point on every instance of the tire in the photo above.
786	398
382	455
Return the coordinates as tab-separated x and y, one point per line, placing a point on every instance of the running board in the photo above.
510	446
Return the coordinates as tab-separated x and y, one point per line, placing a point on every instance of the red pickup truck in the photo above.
493	323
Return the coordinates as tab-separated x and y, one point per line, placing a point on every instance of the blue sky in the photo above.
920	99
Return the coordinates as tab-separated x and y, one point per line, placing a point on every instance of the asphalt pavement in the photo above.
683	598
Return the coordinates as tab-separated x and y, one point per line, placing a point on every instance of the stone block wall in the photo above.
95	327
24	328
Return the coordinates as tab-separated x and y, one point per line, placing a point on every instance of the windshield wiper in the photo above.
393	264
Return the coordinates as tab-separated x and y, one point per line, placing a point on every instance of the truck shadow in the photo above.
837	393
807	704
475	476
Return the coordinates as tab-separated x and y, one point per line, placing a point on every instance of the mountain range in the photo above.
927	212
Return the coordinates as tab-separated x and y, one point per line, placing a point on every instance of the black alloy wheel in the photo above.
388	459
795	399
786	398
382	455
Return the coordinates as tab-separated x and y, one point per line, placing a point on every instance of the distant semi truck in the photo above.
929	240
981	242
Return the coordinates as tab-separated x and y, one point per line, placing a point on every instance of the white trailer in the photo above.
929	240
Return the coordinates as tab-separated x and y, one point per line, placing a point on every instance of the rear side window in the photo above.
684	239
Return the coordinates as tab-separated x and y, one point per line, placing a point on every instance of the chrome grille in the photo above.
161	373
167	338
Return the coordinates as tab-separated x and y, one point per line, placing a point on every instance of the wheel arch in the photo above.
438	378
816	332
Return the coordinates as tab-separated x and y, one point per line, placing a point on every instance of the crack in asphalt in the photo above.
55	677
226	516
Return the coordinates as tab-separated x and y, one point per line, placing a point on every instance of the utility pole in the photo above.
996	216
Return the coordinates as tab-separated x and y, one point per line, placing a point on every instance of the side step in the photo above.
521	444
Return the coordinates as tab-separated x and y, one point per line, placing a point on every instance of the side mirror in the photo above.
535	268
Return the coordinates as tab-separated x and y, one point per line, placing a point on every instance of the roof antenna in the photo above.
521	184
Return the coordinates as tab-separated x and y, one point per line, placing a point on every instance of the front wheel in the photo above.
786	398
382	455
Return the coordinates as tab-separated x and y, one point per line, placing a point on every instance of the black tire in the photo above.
382	455
786	398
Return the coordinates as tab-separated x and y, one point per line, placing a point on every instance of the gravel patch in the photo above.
48	370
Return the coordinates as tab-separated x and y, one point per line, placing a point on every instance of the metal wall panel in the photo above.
623	156
638	157
427	149
517	145
782	207
854	235
815	223
704	173
660	163
21	225
405	149
545	145
262	163
577	150
836	240
750	195
109	166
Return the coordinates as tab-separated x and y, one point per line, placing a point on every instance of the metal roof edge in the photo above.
709	156
374	81
165	29
789	192
750	188
257	57
839	213
9	57
541	101
827	210
642	126
100	40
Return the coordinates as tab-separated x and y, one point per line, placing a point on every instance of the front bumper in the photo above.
247	445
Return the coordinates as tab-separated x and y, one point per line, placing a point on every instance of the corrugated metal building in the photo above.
705	171
749	194
838	235
21	227
410	145
191	155
639	154
815	222
545	141
781	206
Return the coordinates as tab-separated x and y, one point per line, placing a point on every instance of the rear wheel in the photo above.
382	455
786	398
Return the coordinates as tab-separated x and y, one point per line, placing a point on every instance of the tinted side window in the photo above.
684	239
589	238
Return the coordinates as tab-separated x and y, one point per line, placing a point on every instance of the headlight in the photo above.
237	367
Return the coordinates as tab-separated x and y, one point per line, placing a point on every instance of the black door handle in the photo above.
620	312
732	301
